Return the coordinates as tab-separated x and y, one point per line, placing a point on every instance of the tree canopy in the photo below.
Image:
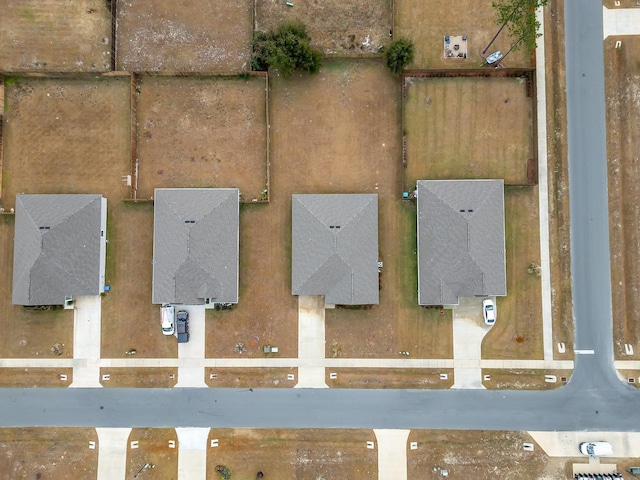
399	54
519	16
286	48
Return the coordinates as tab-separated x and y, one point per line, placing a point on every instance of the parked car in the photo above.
167	316
596	449
488	311
182	324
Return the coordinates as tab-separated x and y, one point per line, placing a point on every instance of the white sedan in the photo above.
488	311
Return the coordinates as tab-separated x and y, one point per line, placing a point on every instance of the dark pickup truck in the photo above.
182	326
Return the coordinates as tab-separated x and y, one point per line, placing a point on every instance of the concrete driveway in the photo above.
194	348
468	331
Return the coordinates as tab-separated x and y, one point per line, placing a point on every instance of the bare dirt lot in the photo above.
518	332
302	454
389	378
48	453
202	132
203	36
153	448
476	454
66	135
426	22
129	319
23	337
467	128
622	86
334	26
55	36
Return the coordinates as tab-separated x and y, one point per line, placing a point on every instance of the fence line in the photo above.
114	34
133	191
2	130
268	142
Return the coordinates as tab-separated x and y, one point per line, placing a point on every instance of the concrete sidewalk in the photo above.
311	341
620	21
543	193
86	341
392	454
112	453
192	453
193	375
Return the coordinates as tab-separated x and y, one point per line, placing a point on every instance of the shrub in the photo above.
287	48
399	54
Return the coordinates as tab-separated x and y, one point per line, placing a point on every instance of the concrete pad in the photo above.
112	452
194	349
620	21
311	340
565	444
392	454
468	331
86	341
192	453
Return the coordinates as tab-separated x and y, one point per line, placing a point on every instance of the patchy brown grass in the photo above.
389	378
140	377
203	36
622	89
64	135
332	453
129	319
55	36
35	377
251	377
48	453
358	26
518	331
627	374
202	132
523	379
558	181
426	22
473	454
459	128
153	448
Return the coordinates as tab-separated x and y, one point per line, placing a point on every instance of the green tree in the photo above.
519	16
287	48
399	54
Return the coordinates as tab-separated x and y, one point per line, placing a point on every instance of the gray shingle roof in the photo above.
195	245
56	248
461	251
335	247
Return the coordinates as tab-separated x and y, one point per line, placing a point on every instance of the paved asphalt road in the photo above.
594	399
